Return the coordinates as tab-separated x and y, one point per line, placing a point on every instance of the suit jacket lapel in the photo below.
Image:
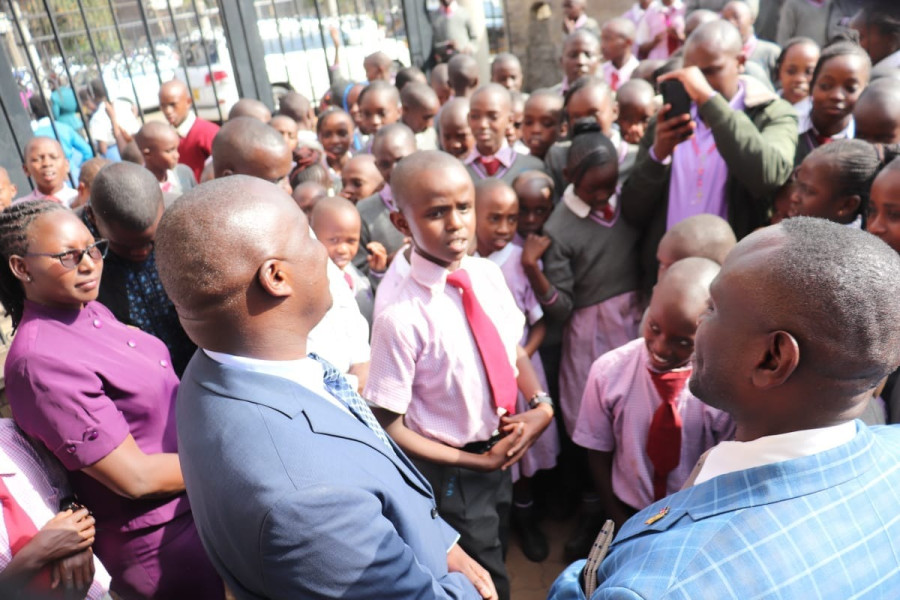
290	399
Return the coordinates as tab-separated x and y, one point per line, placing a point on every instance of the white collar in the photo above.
729	457
306	372
500	257
579	207
891	60
186	125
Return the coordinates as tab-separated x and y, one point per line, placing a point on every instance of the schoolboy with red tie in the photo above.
445	353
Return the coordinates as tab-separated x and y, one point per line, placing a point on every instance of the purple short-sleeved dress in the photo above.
79	381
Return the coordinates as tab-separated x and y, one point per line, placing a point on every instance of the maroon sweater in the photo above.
196	146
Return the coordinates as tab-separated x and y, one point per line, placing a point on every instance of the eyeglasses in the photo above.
72	258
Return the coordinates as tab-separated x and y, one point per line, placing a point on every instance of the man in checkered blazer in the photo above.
802	325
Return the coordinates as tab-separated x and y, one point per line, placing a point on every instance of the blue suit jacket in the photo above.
823	526
294	498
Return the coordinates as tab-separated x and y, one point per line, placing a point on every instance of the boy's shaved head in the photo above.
718	37
390	92
707	236
691	277
409	172
394	133
295	106
250	107
90	168
462	74
326	207
621	26
635	91
250	147
39	141
495	90
127	195
877	112
455	110
699	17
379	59
153	131
419	96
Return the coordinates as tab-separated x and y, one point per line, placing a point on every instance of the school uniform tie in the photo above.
491	164
21	529
337	386
614	81
500	374
664	437
348	279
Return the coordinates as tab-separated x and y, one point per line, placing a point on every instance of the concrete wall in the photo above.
536	27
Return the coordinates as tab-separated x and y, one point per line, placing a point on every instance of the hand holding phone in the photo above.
675	95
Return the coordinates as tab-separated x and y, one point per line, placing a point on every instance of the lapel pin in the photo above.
663	512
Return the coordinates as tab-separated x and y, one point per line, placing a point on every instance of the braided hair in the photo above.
854	166
590	148
14	224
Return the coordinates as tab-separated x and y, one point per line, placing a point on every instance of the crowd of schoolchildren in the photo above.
522	328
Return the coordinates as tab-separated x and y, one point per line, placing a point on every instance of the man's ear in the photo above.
274	279
779	361
400	223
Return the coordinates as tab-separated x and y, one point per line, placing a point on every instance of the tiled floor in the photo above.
531	581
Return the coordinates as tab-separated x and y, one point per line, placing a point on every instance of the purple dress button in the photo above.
131	344
97	323
93	435
70	449
164	363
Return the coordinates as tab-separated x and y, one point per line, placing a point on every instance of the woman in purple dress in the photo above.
100	396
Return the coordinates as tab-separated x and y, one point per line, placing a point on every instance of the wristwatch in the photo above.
541	398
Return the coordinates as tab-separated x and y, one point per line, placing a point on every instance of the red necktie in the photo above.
20	529
672	42
664	437
491	164
501	378
614	81
821	140
348	279
606	213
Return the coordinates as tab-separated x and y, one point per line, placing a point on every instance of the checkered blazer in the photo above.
823	526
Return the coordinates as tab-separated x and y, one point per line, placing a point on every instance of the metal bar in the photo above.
150	43
322	36
187	80
16	120
34	71
312	88
287	73
65	60
507	25
209	68
115	18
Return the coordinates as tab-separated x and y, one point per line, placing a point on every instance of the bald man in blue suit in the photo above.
802	326
295	489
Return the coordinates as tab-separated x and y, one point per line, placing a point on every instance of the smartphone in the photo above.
676	96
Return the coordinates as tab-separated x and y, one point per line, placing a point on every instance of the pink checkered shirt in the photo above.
616	410
425	364
37	482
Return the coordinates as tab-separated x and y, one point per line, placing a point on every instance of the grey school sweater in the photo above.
376	227
587	262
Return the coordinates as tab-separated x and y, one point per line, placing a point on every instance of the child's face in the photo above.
307	195
388	153
508	74
420	118
441	217
161	153
7	189
884	208
597	185
722	70
496	218
580	57
669	329
376	110
540	125
592	101
288	128
47	165
335	135
796	71
613	45
134	246
633	120
535	206
359	179
353	104
573	8
441	89
338	230
834	94
456	137
175	105
814	194
514	131
489	119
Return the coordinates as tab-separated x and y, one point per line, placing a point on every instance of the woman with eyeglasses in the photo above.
100	396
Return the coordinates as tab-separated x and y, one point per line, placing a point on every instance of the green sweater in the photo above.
757	144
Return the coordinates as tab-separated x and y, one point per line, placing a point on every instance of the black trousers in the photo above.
476	505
